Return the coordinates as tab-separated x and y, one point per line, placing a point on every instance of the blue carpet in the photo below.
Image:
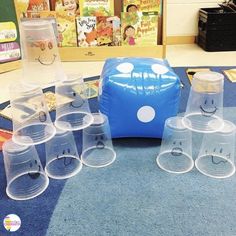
132	196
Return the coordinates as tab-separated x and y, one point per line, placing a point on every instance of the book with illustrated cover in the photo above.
70	7
139	28
116	39
151	6
131	5
96	7
104	31
66	30
86	31
31	8
142	5
9	35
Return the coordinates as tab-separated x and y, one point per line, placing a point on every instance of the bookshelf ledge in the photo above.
102	53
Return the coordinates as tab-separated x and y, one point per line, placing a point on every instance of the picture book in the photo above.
66	30
30	8
86	31
9	34
96	7
104	31
139	28
151	6
116	39
131	5
70	7
142	5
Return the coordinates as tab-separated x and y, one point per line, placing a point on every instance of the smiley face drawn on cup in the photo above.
208	108
36	173
42	51
78	100
216	156
44	57
66	156
100	142
177	149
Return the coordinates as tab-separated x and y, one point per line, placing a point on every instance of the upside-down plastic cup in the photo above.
30	116
97	143
216	156
25	176
205	102
40	56
75	113
62	158
175	154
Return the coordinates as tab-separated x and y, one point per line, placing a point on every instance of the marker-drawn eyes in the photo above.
42	46
50	45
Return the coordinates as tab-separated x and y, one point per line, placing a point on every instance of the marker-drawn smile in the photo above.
77	104
46	64
177	151
208	112
217	162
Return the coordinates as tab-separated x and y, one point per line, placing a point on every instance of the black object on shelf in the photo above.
217	29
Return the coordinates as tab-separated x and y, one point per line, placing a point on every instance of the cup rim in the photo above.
211	175
29	197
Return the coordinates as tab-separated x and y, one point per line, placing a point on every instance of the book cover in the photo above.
96	7
116	39
66	30
142	5
139	28
131	5
150	6
9	34
104	31
86	31
31	8
70	7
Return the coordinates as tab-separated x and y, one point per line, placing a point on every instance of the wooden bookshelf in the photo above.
101	53
8	66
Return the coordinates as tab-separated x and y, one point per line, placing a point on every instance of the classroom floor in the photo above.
177	55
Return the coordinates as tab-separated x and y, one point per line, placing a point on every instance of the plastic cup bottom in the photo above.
199	123
215	166
177	164
98	157
27	185
74	121
63	167
37	133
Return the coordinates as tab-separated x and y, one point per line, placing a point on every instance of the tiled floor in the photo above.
177	55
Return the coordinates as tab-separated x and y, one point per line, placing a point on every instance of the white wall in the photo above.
182	16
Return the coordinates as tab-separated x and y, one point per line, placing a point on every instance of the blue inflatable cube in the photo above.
138	95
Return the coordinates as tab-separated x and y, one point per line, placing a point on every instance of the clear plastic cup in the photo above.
72	114
97	143
216	156
175	154
62	158
205	102
40	56
30	116
25	176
